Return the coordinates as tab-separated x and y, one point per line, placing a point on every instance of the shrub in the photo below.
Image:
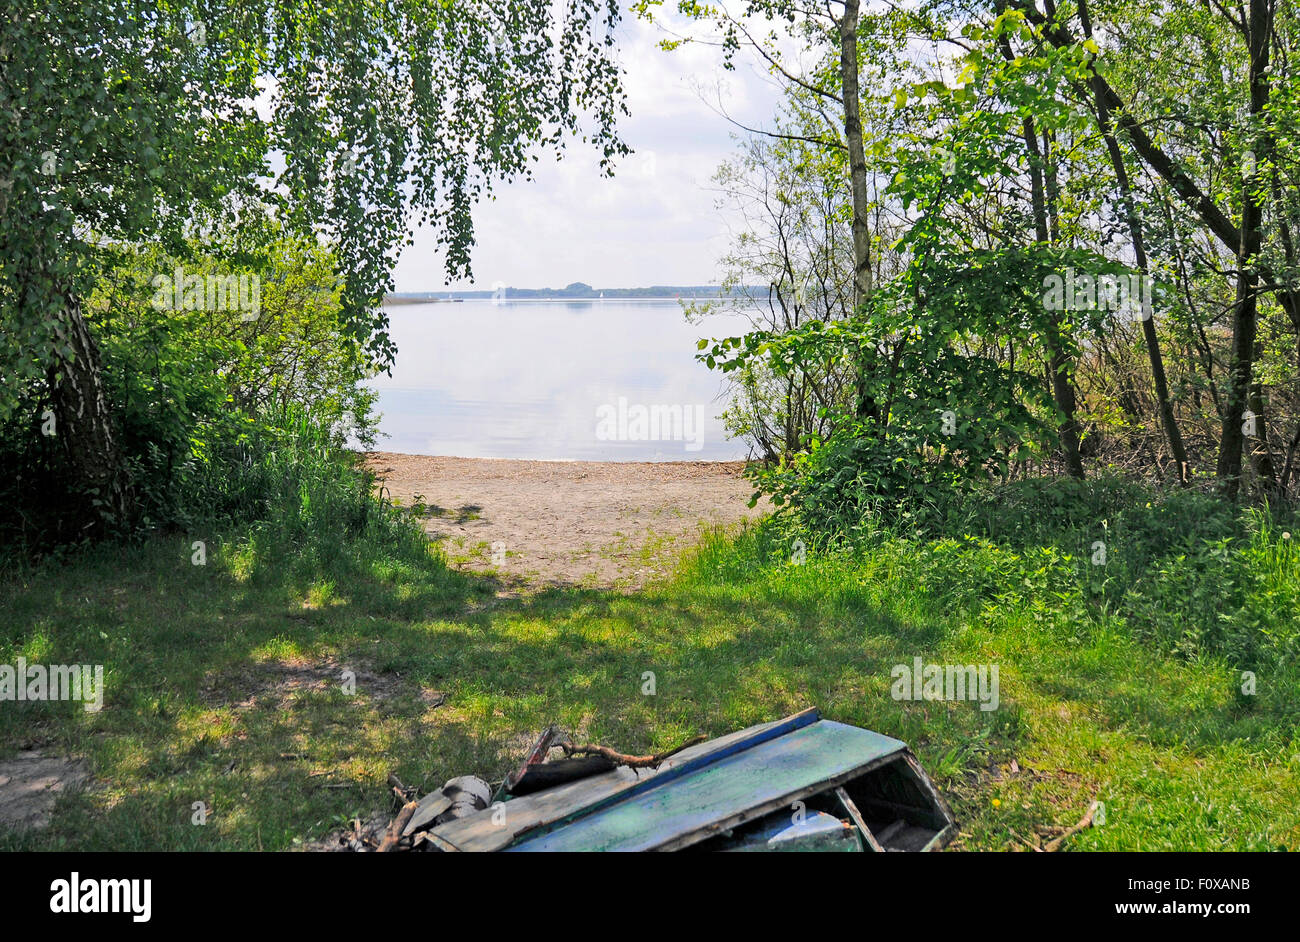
214	403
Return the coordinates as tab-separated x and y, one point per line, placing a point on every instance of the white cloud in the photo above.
655	222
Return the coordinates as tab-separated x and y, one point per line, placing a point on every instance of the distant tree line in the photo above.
1009	237
576	290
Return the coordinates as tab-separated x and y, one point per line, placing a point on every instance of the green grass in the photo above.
1100	698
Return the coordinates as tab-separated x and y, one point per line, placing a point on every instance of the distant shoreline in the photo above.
395	299
578	292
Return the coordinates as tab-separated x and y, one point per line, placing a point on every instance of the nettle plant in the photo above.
149	123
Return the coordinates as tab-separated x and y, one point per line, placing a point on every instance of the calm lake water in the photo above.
584	380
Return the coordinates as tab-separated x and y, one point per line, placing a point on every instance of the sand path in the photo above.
602	524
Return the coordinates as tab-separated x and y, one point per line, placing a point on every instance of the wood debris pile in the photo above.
799	783
464	795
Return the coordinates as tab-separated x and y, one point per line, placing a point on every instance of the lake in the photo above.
559	380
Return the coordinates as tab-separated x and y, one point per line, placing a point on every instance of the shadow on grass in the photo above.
639	672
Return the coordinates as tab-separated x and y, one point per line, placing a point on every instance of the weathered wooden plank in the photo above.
856	816
726	791
496	828
459	798
948	829
432	805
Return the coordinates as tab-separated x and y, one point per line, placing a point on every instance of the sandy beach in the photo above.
602	524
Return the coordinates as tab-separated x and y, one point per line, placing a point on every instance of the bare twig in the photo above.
1084	822
1028	844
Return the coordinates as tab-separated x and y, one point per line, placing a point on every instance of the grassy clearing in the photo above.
225	684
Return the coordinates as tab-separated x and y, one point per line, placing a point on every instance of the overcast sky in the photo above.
655	222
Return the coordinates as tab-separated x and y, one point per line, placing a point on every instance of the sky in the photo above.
656	222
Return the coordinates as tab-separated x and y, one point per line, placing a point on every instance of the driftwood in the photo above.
632	762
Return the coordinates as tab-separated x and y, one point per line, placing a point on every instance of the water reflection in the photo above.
532	379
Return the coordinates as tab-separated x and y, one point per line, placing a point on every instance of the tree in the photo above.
1129	209
832	32
1258	35
795	239
147	123
1233	115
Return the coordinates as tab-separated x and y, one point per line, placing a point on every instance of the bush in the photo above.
218	411
1187	572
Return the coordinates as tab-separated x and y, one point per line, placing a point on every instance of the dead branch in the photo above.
1084	822
1028	844
632	762
399	824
